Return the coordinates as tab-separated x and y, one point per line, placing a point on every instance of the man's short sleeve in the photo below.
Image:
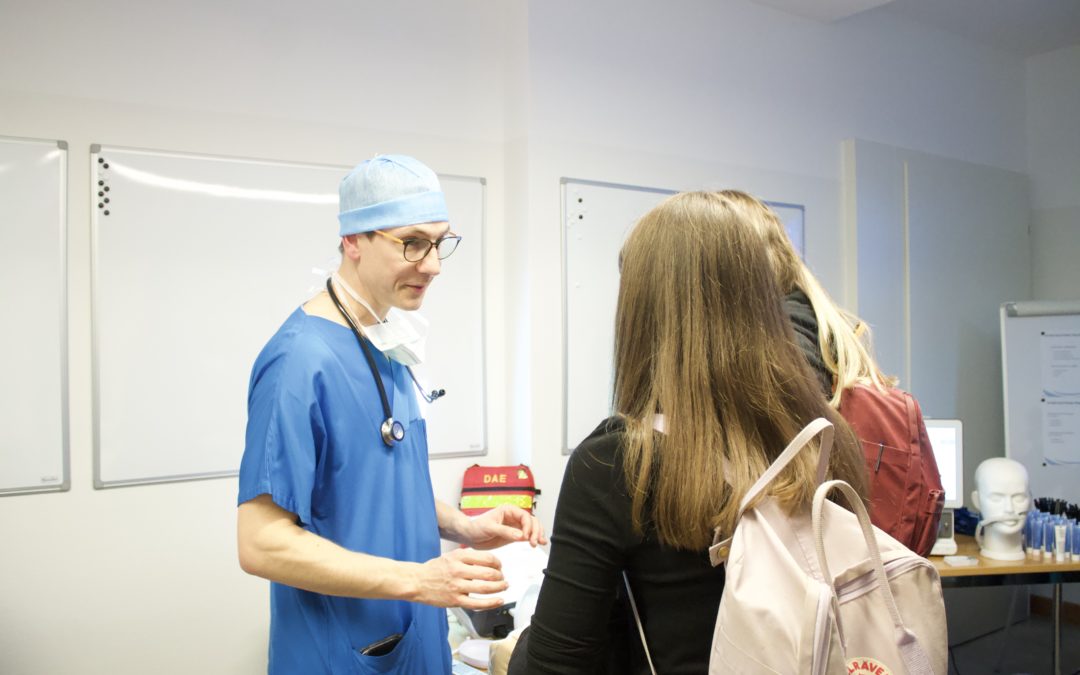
283	431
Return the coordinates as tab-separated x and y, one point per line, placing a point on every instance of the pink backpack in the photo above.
823	591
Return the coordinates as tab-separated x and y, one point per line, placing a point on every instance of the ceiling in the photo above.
1022	27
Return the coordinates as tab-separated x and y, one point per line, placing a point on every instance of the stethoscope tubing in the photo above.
390	430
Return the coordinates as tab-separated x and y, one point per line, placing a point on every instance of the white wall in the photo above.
682	94
929	232
697	93
1053	106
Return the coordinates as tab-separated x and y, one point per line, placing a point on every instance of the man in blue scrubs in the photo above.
345	525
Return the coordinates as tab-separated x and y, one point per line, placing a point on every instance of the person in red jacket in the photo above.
905	486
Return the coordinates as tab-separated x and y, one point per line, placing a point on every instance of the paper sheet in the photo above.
1061	397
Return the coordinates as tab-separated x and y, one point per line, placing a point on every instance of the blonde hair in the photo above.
843	339
701	337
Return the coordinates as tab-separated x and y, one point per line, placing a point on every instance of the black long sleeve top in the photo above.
582	622
801	313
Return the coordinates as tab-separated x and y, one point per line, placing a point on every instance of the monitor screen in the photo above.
947	439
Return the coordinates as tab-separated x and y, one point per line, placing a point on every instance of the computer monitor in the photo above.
947	440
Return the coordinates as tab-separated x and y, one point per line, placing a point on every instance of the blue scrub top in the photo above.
313	444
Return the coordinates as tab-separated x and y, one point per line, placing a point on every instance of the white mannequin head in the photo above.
1003	498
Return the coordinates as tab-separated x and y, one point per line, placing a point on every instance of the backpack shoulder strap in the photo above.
913	420
720	547
819	426
637	619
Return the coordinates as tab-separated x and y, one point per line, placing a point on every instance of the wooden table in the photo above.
990	572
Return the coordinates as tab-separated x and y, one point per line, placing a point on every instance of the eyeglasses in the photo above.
415	249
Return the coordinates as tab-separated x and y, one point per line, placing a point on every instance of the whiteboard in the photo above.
597	216
596	219
1041	416
33	300
196	262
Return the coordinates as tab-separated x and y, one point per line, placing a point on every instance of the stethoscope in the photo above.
391	430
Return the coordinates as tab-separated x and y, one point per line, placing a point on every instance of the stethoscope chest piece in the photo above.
392	431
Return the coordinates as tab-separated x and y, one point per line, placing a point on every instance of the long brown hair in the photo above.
700	337
844	339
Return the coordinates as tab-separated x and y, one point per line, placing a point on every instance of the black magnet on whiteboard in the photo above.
579	200
106	212
100	160
105	166
581	216
100	193
106	188
100	205
106	200
101	182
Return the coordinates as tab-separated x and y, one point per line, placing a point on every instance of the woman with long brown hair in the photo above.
704	352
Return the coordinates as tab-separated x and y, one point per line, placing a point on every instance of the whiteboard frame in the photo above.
1039	471
779	208
563	182
95	154
65	429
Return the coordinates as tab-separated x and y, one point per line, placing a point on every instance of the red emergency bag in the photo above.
485	487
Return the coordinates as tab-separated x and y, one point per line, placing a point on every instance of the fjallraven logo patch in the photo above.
866	666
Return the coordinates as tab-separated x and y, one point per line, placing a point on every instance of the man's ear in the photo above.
349	248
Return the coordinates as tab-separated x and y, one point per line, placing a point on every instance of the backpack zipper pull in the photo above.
880	451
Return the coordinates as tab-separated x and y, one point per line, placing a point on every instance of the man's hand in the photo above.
505	524
448	580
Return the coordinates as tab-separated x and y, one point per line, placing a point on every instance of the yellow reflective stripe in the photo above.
491	501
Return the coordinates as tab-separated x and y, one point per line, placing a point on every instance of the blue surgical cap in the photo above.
389	191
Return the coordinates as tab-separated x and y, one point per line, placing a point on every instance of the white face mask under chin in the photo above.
401	336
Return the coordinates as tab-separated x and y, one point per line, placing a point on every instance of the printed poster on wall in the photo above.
1061	397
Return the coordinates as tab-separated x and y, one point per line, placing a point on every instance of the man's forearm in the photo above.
272	546
453	524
